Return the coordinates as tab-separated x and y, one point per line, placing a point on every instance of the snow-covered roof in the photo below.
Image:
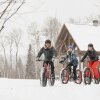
85	34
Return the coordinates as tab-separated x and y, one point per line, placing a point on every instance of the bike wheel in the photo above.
78	77
87	76
97	81
52	81
43	78
99	71
65	76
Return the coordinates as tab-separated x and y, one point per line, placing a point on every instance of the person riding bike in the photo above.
49	55
73	61
93	60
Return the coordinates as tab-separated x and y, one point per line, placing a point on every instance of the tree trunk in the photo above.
16	62
5	67
10	62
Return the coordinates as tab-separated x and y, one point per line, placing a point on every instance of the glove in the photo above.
81	60
37	59
61	61
53	59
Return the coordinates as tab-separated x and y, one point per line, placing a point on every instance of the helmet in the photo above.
70	47
90	45
48	41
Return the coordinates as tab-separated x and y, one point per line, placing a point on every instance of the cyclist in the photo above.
73	61
93	60
49	54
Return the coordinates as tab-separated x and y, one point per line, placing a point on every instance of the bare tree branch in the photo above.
7	18
6	8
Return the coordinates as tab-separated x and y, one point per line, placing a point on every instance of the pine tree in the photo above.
30	66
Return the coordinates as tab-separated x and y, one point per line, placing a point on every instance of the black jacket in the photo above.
49	53
93	56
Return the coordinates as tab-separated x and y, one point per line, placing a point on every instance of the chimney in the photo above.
95	22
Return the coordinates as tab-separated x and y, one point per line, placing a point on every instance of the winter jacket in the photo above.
72	58
93	56
49	53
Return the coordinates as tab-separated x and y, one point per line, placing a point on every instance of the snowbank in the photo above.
11	89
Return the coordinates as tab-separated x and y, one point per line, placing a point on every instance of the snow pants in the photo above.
93	65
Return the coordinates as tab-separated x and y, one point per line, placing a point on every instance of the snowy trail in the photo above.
30	90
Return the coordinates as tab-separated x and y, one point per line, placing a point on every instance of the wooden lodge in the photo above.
79	36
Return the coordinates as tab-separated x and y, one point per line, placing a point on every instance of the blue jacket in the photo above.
72	58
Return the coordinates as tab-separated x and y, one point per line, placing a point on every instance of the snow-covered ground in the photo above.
31	90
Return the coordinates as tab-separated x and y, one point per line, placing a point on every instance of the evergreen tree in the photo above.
30	66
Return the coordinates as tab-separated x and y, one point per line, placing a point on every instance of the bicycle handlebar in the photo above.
43	60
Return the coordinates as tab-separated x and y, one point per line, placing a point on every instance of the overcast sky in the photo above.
38	10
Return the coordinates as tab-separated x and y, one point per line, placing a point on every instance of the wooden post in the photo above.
80	62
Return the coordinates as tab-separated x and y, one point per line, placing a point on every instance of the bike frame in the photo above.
47	70
64	67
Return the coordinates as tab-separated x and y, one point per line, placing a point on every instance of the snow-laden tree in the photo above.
52	28
34	36
10	40
17	36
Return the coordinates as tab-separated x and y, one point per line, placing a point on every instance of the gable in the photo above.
85	34
64	39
